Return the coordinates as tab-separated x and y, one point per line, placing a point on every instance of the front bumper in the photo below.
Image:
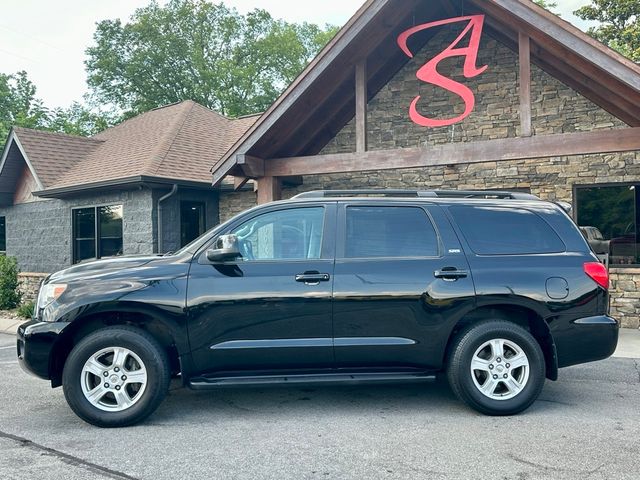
585	339
35	343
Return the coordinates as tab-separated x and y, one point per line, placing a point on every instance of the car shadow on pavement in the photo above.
186	406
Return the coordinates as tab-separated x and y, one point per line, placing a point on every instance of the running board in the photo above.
206	383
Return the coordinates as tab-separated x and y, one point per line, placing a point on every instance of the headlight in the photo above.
49	293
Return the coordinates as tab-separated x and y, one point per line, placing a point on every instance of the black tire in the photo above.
461	378
154	361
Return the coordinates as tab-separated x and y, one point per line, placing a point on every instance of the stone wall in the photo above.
39	233
625	296
29	285
555	108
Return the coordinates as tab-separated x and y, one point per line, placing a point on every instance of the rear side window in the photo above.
389	232
506	231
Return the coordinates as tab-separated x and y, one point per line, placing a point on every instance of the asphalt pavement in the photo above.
585	426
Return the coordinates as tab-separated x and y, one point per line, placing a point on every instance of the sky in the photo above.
48	38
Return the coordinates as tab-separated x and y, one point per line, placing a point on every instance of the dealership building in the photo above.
411	94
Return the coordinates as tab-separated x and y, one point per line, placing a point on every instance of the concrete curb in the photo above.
628	343
10	325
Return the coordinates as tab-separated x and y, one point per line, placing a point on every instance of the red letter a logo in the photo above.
429	73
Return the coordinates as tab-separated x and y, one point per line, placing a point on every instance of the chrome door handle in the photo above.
450	275
312	278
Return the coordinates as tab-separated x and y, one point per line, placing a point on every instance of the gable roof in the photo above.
178	142
53	154
322	99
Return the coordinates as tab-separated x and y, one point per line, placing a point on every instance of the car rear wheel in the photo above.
496	367
115	377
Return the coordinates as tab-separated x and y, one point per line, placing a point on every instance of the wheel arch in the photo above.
520	315
163	329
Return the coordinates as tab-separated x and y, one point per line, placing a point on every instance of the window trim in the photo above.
574	197
96	230
341	233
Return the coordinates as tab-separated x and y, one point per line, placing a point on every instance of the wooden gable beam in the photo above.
541	146
361	106
524	55
252	167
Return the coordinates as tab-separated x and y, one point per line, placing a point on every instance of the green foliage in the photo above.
546	4
619	24
192	49
26	310
9	296
20	107
18	104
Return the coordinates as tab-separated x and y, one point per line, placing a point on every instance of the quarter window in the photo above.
97	232
389	232
292	234
506	231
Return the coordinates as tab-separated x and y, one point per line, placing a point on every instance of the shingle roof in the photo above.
53	154
176	142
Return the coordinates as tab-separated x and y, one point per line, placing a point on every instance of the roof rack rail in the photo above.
421	193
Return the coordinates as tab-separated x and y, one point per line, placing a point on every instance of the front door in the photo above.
270	309
400	280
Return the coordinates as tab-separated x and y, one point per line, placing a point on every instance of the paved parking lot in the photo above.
586	426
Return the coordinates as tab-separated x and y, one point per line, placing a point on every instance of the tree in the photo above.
191	49
546	4
619	24
79	120
19	107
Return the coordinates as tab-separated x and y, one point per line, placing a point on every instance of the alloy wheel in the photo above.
500	369
113	379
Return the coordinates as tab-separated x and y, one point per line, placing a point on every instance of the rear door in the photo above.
401	281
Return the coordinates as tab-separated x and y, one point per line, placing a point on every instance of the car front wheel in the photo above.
496	367
115	377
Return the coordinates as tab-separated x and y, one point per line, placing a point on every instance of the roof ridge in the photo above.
176	127
139	116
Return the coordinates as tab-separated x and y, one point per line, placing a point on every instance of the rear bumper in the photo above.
35	342
585	339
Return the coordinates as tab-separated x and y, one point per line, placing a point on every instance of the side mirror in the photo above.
225	248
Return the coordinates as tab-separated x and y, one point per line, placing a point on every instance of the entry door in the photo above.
398	284
271	309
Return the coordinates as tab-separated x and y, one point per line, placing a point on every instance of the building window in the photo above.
97	232
608	218
3	235
192	223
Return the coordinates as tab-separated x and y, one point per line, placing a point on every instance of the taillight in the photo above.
598	272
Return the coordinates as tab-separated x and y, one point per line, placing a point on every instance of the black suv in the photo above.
497	289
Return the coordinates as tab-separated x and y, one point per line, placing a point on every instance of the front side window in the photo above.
506	231
97	232
391	232
293	234
610	214
3	234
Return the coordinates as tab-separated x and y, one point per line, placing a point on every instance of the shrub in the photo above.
26	310
9	296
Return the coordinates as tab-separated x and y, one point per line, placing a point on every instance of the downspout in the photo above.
173	191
